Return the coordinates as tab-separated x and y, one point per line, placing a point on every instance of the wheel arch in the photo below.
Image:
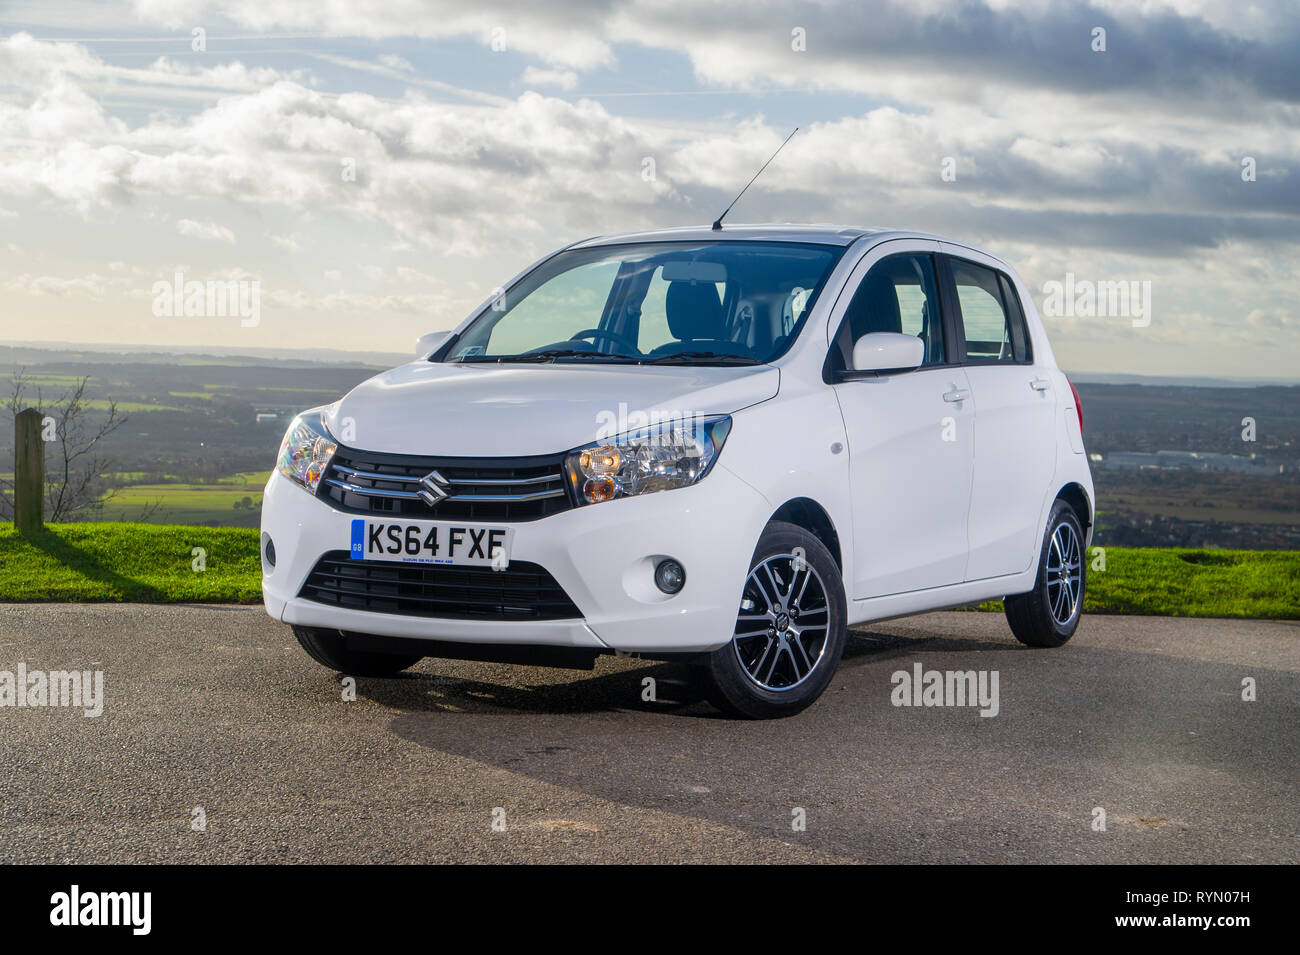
1077	497
806	513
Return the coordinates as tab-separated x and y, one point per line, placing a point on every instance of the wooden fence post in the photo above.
29	472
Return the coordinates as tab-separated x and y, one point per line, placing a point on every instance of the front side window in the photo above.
899	295
719	302
990	315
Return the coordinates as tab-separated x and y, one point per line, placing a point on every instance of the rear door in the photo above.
909	434
1014	437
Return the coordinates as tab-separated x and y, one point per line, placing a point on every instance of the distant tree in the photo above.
76	469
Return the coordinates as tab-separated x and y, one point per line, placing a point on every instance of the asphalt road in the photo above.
218	708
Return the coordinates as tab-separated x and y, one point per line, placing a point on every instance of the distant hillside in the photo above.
204	428
35	353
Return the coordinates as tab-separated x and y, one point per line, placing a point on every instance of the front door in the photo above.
910	434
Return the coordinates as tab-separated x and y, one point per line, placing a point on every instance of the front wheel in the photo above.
326	647
790	629
1049	614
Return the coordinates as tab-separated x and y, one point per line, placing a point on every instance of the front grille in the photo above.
522	591
483	489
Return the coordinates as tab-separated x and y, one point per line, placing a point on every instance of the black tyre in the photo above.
1049	614
326	647
790	629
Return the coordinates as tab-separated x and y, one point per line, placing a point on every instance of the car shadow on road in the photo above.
677	689
867	646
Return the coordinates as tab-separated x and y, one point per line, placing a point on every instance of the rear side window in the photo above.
991	318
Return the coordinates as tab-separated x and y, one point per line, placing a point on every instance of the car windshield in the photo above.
727	302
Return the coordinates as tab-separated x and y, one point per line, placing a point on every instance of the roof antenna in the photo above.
717	223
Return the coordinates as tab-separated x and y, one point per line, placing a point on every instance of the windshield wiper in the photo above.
551	354
699	357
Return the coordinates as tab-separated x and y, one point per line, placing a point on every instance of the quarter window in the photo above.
991	318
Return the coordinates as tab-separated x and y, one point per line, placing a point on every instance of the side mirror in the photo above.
887	351
429	343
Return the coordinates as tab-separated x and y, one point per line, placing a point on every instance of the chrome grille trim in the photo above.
477	489
373	491
411	479
415	495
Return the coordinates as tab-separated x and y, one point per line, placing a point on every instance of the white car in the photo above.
723	446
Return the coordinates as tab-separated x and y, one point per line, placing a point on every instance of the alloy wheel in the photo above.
783	622
1064	574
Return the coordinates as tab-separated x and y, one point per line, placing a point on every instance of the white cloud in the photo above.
547	34
93	285
457	177
204	230
563	79
395	62
1100	181
287	242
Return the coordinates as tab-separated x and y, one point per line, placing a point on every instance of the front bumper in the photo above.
603	555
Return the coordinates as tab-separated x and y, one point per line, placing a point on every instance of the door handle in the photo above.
1040	384
957	394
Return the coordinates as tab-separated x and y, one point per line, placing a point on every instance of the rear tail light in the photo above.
1078	405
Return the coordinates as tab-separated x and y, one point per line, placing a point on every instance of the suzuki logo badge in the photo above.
434	488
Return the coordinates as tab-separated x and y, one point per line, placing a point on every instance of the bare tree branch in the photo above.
75	483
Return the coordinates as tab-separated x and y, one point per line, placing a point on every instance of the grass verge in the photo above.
1181	582
151	563
155	564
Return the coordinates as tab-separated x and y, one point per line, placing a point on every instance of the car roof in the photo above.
822	233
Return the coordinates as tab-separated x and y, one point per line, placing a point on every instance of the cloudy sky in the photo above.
378	166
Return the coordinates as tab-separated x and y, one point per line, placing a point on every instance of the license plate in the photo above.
426	543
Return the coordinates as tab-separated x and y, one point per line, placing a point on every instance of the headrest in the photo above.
875	306
694	310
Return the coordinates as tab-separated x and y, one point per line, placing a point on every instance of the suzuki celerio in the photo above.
723	446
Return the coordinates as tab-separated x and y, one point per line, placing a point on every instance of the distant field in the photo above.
1230	512
129	407
299	390
117	562
191	503
53	381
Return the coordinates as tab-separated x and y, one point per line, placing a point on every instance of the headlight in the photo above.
306	450
657	459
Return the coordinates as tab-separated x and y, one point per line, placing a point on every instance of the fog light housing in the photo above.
670	576
268	552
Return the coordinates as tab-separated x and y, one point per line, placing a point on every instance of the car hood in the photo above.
502	410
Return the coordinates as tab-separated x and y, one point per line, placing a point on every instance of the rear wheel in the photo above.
790	629
1049	614
326	647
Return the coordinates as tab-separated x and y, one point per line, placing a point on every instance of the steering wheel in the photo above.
616	337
